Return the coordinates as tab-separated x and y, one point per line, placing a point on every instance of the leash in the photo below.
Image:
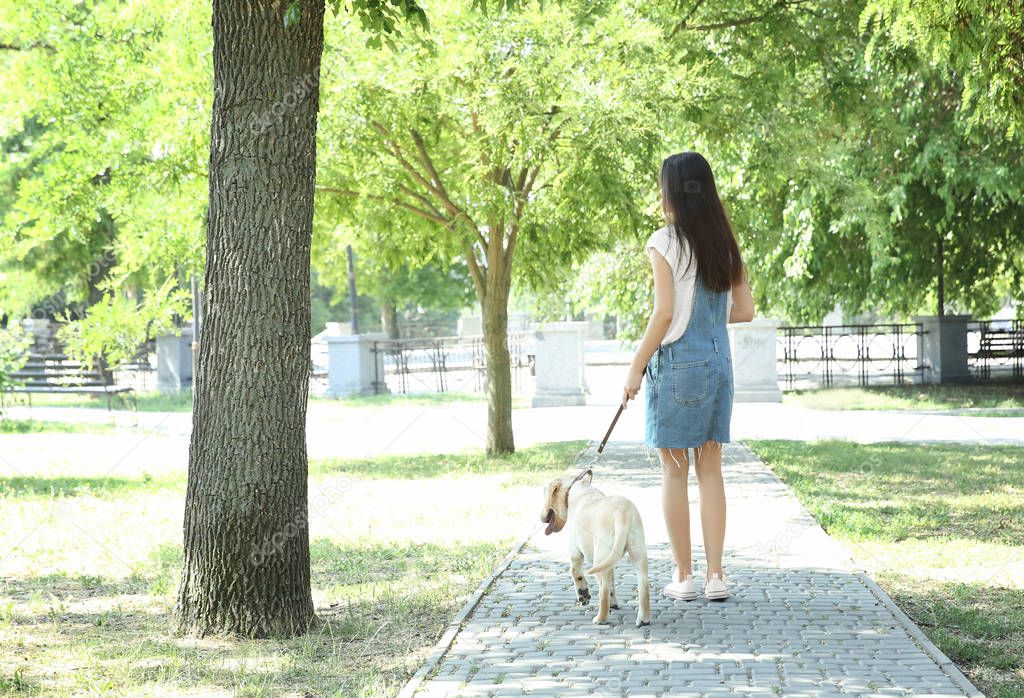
588	468
607	434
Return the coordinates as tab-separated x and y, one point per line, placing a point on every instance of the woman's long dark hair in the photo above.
698	218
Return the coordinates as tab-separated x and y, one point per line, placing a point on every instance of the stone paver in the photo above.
802	621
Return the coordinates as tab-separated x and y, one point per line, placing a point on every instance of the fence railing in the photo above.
995	349
446	364
831	355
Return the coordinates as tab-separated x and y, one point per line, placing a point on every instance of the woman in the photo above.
699	285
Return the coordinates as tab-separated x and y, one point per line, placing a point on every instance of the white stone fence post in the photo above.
755	374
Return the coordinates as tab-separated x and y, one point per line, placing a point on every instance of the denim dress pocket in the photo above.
691	382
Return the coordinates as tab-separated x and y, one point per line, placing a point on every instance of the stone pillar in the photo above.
755	377
470	326
942	348
174	361
560	365
353	368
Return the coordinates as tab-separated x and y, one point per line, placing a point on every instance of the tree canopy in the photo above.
849	140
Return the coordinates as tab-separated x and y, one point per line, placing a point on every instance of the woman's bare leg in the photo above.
675	468
708	466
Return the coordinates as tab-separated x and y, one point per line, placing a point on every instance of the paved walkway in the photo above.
802	621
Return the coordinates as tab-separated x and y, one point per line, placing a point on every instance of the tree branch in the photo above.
27	47
431	214
682	23
438	186
779	5
478	277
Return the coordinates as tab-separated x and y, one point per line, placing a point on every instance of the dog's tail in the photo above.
618	546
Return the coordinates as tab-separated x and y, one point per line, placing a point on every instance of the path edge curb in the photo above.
444	643
906	622
918	635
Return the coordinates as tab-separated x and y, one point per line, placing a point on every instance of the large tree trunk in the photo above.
246	567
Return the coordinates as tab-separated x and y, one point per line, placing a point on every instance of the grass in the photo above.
414	399
523	463
995	400
154	401
32	426
182	402
942	530
89	566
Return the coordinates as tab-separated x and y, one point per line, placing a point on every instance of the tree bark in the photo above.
498	370
246	530
389	318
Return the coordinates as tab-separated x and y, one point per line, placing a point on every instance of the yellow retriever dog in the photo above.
603	530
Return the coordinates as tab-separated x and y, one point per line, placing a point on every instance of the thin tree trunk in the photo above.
499	375
498	371
389	318
246	531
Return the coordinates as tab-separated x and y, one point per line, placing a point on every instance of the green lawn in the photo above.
182	402
996	400
941	527
31	426
147	401
89	565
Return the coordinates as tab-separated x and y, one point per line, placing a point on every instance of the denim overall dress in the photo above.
689	381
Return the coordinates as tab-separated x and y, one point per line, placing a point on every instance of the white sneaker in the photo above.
685	590
714	589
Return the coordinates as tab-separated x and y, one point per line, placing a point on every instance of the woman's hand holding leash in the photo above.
632	386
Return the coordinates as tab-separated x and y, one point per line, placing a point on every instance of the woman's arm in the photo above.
742	301
657	326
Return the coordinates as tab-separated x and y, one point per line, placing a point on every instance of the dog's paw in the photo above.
582	598
641	622
598	620
614	606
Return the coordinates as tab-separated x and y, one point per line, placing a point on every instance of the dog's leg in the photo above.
604	598
638	558
611	582
576	569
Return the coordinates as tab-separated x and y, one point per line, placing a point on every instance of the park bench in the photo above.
1005	343
58	374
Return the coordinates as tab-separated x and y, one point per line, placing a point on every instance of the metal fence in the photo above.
836	355
446	364
995	349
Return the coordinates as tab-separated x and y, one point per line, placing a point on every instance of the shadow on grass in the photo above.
979	626
35	426
548	456
383	608
66	486
896	491
1007	396
147	401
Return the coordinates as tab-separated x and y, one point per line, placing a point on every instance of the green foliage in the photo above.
14	349
415	287
981	40
844	152
105	140
564	103
117	324
847	137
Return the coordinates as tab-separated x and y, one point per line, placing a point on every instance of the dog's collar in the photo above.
579	477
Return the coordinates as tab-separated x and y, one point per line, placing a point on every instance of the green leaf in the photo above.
292	14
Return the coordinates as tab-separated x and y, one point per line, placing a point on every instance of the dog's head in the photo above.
556	500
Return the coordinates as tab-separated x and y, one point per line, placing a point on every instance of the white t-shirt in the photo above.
666	243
